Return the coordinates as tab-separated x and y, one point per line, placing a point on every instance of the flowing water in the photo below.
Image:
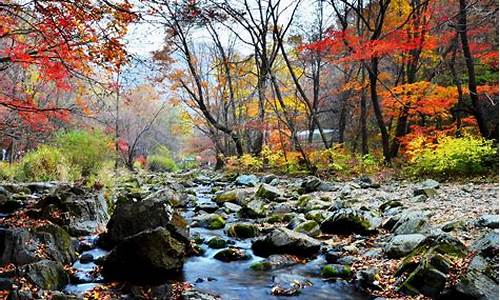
234	280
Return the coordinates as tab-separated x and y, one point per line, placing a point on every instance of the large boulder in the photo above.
487	244
282	240
78	210
348	220
425	270
477	283
149	255
130	218
401	245
20	246
46	274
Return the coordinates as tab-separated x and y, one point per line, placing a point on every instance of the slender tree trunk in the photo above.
363	116
469	62
373	77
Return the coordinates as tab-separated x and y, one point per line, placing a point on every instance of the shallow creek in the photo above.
231	280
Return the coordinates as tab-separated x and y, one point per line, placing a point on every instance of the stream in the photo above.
229	280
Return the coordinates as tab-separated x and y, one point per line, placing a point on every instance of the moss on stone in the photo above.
334	270
243	230
261	266
217	223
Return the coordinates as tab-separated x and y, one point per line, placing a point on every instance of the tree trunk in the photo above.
373	76
362	119
469	62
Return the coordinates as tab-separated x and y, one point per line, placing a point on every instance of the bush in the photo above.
162	161
86	150
7	171
44	164
467	155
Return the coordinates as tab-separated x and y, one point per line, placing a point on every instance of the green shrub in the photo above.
45	163
161	161
87	150
7	171
467	155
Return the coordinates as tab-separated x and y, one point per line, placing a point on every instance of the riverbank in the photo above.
240	237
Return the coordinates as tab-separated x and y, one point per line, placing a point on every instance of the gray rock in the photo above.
130	218
285	241
254	209
411	222
311	228
313	184
269	192
275	261
210	221
348	220
475	283
167	195
401	245
247	180
427	188
269	178
149	255
46	274
490	221
426	269
243	230
232	207
232	254
20	247
207	206
81	212
487	244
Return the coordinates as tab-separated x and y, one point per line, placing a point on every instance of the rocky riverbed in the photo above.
205	235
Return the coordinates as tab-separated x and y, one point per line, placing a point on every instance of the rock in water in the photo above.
285	241
232	254
150	255
130	218
243	230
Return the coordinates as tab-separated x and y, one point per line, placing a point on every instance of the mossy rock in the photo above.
276	218
261	266
217	223
311	228
217	243
243	230
426	268
47	274
335	270
303	199
348	220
